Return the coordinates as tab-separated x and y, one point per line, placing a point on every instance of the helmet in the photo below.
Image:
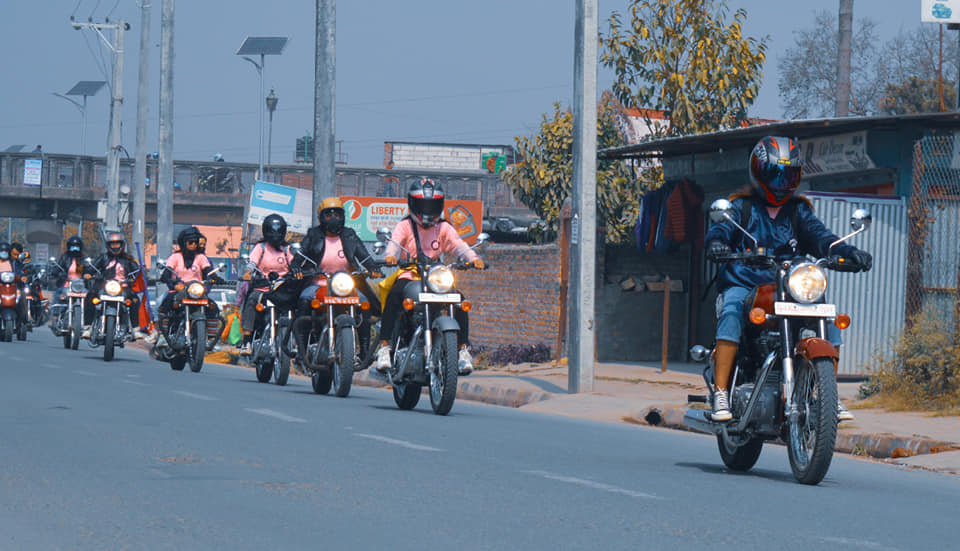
190	234
116	244
75	246
331	215
4	251
425	201
775	169
274	229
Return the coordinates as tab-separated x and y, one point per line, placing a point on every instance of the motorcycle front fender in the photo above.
445	323
812	348
344	320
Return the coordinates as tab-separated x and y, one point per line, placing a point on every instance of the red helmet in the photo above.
425	200
775	169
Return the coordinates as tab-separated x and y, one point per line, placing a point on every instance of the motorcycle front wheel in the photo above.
199	343
22	331
77	328
109	332
281	362
7	331
813	435
346	362
443	372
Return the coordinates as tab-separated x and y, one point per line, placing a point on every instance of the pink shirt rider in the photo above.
119	273
267	259
6	266
194	272
72	273
334	259
435	240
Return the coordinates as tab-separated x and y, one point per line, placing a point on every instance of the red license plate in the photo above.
198	302
341	300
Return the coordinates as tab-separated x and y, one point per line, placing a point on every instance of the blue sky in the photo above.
407	70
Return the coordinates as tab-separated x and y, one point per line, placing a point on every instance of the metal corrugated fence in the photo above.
874	300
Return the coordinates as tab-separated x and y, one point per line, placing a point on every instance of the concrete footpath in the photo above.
641	394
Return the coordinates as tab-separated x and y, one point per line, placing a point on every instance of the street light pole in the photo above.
272	100
84	88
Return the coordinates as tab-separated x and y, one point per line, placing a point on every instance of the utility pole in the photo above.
324	125
165	172
843	59
114	143
581	344
138	187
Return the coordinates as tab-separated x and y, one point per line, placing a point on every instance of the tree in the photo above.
916	95
543	179
667	58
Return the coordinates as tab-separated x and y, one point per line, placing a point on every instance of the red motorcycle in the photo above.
9	298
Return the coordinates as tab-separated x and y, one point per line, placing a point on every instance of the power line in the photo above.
95	9
117	3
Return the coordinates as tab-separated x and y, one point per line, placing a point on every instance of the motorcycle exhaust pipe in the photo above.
696	419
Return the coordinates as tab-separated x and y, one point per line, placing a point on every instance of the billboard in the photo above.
367	214
32	169
940	11
295	205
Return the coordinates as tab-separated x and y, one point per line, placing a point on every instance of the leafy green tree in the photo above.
916	95
543	179
685	58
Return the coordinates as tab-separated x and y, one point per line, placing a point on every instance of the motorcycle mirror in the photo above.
294	246
245	257
383	234
482	238
699	353
379	247
720	210
861	219
221	266
22	256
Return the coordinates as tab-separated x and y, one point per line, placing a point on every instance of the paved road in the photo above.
133	455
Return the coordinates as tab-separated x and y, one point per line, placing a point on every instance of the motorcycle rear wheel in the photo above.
7	331
177	363
443	379
812	437
406	395
321	381
199	345
741	458
22	331
109	332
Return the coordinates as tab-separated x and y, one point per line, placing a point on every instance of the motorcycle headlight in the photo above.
341	284
113	288
807	282
7	277
77	286
440	279
196	290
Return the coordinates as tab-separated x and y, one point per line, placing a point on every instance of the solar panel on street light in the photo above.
262	45
86	88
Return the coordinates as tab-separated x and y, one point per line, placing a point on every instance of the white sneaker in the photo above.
843	414
138	334
383	359
721	408
465	362
86	333
246	349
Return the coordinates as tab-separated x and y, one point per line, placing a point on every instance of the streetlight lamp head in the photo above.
272	101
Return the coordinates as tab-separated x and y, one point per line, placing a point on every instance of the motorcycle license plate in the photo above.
198	302
341	300
76	295
805	310
439	297
110	298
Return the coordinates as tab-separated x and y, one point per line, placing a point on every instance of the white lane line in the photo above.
87	373
592	484
276	415
190	394
867	544
138	383
402	443
53	366
132	375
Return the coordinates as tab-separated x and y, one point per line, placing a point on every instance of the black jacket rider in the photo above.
357	255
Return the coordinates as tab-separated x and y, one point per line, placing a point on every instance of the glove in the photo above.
390	261
478	264
376	274
246	276
717	249
296	272
856	260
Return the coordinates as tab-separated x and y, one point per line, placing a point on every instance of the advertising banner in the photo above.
368	214
293	204
940	11
31	172
832	154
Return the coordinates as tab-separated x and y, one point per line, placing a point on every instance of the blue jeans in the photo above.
732	314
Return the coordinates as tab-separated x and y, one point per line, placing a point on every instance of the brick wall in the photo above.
516	300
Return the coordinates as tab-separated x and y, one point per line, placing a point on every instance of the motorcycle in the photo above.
425	341
68	315
9	298
784	383
37	305
330	340
111	325
267	354
188	332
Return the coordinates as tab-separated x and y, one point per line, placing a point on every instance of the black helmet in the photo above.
775	169
425	201
274	229
189	234
4	251
116	244
75	246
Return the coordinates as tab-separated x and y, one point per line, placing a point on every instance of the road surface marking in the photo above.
857	543
52	366
135	383
276	415
190	394
402	443
132	375
592	484
87	373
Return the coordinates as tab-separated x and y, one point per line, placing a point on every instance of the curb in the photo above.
507	397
